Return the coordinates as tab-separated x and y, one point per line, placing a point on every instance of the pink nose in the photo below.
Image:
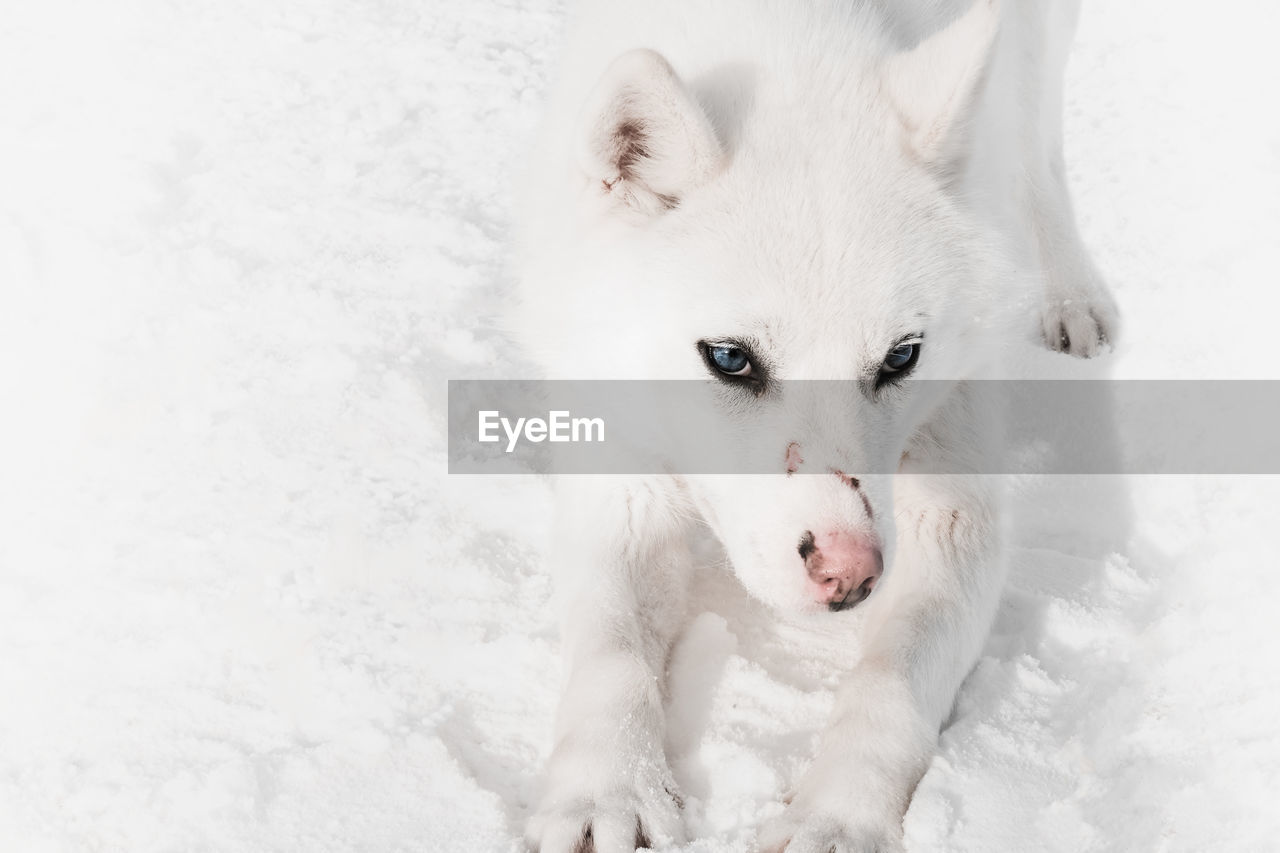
843	568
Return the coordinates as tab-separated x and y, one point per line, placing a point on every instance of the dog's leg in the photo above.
1079	315
622	570
924	636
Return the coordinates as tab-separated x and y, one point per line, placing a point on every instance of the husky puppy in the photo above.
765	191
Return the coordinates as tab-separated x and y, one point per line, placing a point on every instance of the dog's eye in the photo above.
730	360
734	362
900	357
899	361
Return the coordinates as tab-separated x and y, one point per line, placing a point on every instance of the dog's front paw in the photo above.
1082	324
801	831
593	805
837	808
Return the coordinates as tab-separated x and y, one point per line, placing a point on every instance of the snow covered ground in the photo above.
242	607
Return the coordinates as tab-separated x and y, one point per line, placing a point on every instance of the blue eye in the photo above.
901	358
730	360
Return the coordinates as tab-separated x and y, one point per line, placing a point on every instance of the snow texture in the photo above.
242	606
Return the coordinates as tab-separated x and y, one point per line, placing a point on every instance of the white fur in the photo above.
822	178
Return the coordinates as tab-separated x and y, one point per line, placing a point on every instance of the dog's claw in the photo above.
1081	327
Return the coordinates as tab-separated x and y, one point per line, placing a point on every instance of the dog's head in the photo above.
822	242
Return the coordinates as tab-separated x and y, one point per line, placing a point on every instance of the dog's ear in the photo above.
935	84
644	139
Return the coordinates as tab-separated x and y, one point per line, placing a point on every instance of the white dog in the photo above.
765	191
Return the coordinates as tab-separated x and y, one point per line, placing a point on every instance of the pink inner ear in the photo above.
794	460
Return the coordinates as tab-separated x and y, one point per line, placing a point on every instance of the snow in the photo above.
242	606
